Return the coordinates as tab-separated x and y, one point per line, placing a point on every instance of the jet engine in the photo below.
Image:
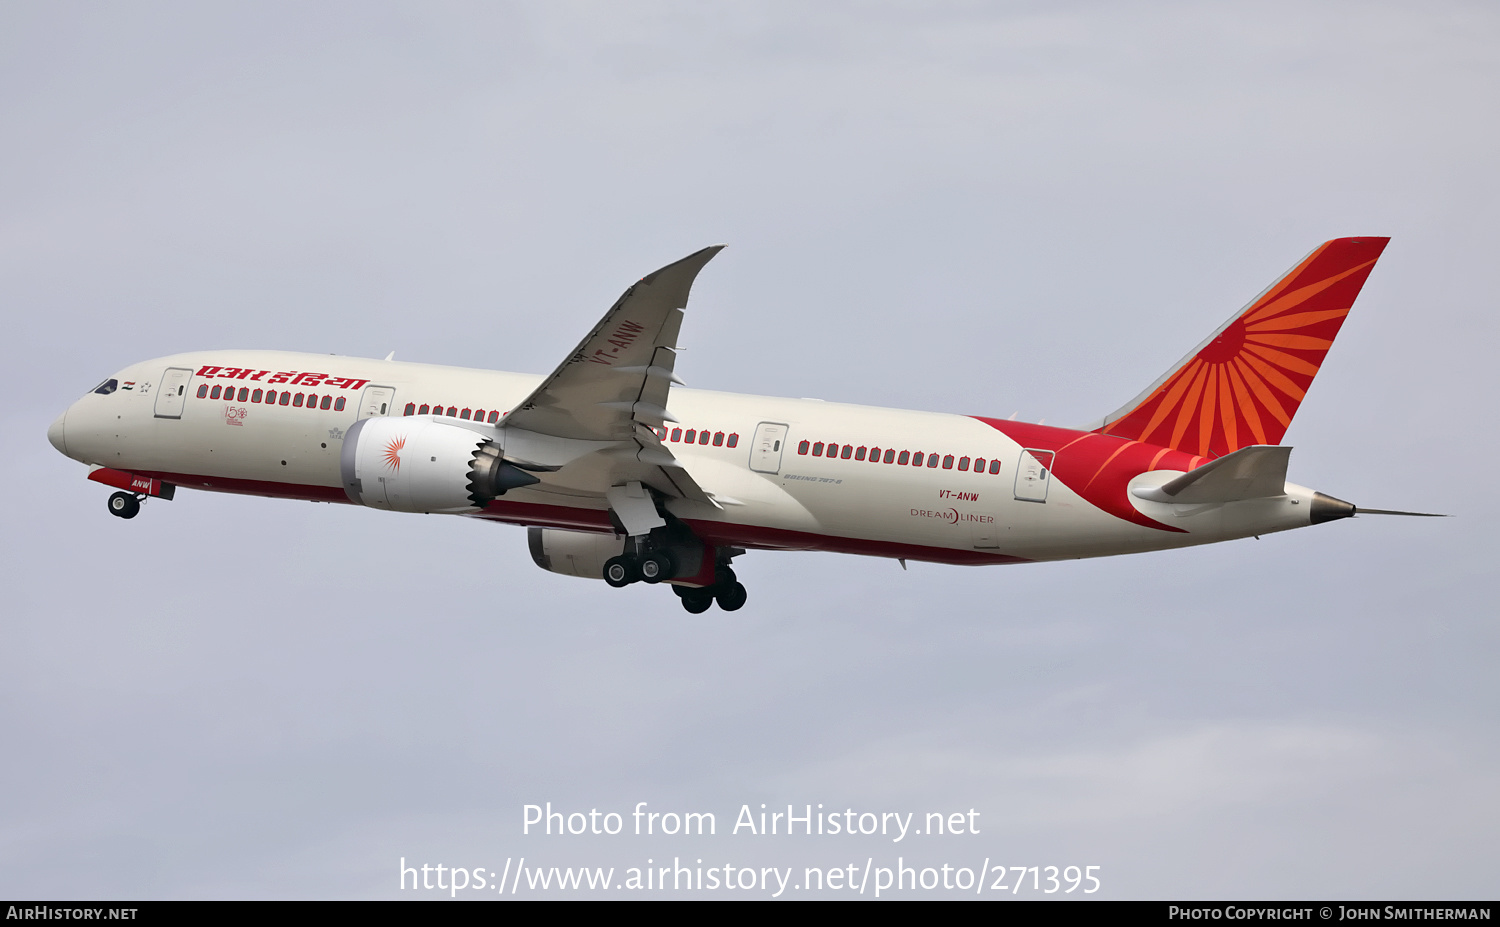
573	553
583	553
420	465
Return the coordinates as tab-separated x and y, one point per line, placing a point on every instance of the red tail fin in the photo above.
1243	385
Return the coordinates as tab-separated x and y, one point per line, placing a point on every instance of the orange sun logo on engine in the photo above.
393	452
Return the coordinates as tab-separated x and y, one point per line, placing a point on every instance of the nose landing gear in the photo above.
125	504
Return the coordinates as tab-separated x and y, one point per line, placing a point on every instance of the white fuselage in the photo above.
170	419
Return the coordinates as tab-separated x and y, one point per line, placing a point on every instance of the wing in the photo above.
610	394
620	373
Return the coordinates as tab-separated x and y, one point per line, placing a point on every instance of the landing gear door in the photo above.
172	395
765	450
377	401
1032	475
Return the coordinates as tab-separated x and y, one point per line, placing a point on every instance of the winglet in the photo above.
1242	385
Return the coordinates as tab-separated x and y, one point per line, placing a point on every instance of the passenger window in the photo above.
718	439
994	466
963	463
214	394
676	434
734	439
255	396
202	390
916	459
859	452
465	414
802	447
948	462
338	404
905	456
818	449
478	415
848	451
286	398
312	400
328	401
495	416
297	400
692	436
452	411
422	409
890	455
703	437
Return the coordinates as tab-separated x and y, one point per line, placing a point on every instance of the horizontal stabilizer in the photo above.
1255	472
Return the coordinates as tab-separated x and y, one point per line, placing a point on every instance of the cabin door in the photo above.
765	450
1033	475
172	394
377	401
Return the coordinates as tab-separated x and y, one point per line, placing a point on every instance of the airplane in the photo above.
620	472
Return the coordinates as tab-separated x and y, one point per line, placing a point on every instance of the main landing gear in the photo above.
659	547
650	568
125	504
659	566
726	590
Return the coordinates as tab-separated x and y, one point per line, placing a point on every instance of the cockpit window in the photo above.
107	387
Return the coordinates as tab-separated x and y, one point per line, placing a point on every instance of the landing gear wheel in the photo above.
731	597
657	567
621	571
124	505
697	601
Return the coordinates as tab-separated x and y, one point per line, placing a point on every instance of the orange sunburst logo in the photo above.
393	452
1245	385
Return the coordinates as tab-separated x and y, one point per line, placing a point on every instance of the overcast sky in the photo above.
1028	208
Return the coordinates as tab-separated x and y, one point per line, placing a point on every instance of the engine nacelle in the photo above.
583	553
573	553
419	465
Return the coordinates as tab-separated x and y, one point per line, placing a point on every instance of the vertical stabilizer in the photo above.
1242	385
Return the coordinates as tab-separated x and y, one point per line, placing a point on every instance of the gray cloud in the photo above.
1035	209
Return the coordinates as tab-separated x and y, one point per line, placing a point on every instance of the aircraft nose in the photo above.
57	434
